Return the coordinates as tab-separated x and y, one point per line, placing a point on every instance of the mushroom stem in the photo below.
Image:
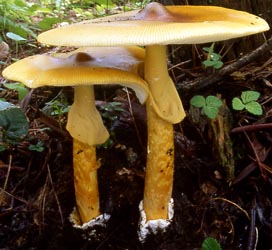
160	157
84	161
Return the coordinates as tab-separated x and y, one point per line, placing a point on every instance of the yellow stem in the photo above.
160	158
85	163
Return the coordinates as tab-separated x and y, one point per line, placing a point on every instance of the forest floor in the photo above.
37	193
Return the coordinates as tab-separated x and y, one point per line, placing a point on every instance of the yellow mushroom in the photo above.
155	27
82	69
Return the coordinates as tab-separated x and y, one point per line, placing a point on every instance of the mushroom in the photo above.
83	68
155	27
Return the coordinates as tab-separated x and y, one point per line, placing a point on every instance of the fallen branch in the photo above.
202	83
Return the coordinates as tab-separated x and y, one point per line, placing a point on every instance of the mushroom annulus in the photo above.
154	27
82	69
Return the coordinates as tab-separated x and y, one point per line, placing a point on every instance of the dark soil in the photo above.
37	193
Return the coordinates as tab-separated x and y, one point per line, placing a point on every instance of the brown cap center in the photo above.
157	12
82	57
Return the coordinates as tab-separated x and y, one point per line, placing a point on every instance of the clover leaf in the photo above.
210	105
248	101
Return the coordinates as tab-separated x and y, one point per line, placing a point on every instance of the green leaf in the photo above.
213	101
19	87
215	56
48	22
15	37
103	2
214	64
210	244
210	112
112	106
249	96
237	104
198	101
41	9
218	64
207	49
20	3
13	123
3	147
254	108
209	63
38	147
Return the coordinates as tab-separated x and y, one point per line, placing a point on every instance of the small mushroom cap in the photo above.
157	24
80	68
84	66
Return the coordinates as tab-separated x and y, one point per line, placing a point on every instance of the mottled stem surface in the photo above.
84	156
160	158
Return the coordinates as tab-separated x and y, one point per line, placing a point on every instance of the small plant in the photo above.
38	147
19	88
209	105
13	125
248	101
109	113
56	107
210	244
14	18
109	110
19	19
213	59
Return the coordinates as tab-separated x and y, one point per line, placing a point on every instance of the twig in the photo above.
52	185
12	167
244	173
257	157
202	83
42	204
252	239
9	168
14	196
53	124
133	118
234	204
253	127
55	194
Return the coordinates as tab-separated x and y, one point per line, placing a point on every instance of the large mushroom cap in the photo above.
157	24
